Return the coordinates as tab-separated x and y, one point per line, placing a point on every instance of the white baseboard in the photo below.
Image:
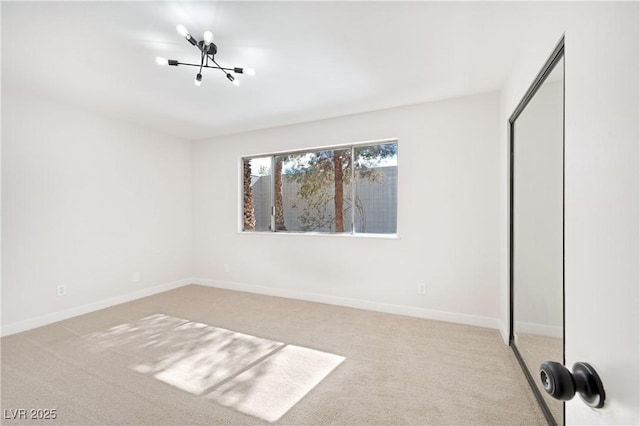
504	333
19	326
453	317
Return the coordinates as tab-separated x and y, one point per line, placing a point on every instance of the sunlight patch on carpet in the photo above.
256	376
218	354
272	387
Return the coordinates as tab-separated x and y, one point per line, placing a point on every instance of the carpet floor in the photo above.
199	355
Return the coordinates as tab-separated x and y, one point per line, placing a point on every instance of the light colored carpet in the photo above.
253	375
272	359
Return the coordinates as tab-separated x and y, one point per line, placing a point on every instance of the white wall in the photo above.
87	201
447	217
602	184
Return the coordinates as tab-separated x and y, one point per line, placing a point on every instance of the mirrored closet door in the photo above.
537	228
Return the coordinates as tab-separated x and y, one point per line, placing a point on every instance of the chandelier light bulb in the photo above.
208	38
161	61
198	80
249	71
182	30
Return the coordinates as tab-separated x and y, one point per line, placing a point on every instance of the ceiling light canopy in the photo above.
207	52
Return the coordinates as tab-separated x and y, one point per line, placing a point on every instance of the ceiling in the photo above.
313	60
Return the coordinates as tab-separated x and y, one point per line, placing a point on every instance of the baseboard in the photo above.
411	311
19	326
454	317
504	333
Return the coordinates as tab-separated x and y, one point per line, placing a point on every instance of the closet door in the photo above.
537	234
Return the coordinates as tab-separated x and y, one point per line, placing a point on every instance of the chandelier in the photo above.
207	55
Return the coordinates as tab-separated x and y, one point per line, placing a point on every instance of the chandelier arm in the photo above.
205	66
192	41
219	67
201	62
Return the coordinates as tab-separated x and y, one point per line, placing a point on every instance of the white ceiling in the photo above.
313	60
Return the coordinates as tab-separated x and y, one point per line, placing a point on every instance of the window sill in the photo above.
324	234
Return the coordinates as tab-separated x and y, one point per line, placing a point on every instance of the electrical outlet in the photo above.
61	290
135	277
422	288
226	267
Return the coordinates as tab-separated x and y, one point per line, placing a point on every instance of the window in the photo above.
340	190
